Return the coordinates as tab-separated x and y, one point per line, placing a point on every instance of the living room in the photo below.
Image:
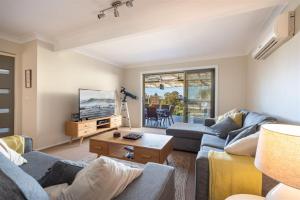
196	80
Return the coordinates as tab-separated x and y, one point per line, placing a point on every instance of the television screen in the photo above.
96	103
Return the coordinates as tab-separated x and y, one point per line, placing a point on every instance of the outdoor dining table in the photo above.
162	111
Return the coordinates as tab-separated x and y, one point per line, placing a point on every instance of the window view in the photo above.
186	96
163	99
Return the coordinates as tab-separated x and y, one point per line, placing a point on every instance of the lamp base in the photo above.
281	191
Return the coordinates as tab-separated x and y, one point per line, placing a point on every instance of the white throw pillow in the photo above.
245	146
102	179
10	154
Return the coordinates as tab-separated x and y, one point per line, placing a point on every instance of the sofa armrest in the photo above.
28	144
209	122
202	176
155	183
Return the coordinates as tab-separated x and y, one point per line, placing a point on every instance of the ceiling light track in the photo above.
114	6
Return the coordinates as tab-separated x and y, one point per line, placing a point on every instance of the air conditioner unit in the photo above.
282	30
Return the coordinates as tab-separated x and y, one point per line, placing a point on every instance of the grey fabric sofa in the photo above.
201	138
156	182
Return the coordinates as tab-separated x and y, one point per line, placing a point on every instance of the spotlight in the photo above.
129	3
116	12
101	15
114	7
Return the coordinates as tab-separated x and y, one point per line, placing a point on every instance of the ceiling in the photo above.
150	32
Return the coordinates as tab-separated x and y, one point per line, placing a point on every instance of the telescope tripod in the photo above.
125	112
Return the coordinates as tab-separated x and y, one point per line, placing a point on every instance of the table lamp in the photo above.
278	156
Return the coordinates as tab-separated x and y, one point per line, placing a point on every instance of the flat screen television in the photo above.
96	103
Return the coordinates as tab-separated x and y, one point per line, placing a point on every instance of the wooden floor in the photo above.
76	152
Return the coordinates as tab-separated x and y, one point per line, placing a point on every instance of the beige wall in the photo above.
29	95
60	75
13	49
273	85
231	83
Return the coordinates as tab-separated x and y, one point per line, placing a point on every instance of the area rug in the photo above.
181	161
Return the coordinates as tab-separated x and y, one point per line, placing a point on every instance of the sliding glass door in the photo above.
200	95
184	96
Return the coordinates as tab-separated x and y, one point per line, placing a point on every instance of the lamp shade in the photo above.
278	153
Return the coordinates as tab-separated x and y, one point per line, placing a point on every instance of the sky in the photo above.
96	94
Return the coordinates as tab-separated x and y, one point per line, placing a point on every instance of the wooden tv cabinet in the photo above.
86	128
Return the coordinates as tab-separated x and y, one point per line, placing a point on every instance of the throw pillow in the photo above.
10	154
233	134
62	171
102	179
237	118
24	183
245	146
54	191
231	112
223	127
248	131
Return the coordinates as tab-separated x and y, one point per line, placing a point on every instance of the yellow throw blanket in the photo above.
16	143
231	174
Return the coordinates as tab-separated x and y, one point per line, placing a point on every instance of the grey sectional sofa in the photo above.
156	182
200	138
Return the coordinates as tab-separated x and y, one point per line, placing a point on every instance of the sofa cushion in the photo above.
248	131
156	183
213	141
29	187
38	164
233	134
189	130
253	118
245	146
223	127
104	178
63	171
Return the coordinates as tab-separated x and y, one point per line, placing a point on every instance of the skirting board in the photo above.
57	144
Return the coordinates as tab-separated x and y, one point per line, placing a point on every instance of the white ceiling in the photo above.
222	37
151	31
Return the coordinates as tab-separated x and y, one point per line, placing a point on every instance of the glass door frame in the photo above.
213	68
213	91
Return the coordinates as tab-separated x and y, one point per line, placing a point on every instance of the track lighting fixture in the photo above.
129	3
115	5
101	15
116	12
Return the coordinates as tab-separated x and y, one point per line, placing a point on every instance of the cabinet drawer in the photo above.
146	155
87	131
86	125
99	148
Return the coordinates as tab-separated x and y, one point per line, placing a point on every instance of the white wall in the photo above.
29	95
60	75
273	85
231	83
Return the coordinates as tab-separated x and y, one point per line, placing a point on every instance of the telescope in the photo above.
126	94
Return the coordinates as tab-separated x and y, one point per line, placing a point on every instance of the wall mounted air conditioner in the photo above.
282	30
